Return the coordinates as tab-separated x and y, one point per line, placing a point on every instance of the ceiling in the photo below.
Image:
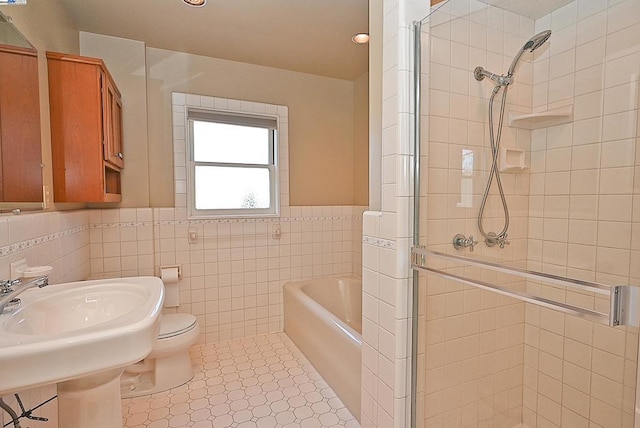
309	36
533	9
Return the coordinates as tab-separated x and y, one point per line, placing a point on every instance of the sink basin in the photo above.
78	329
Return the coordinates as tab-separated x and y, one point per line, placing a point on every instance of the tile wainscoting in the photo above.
232	276
59	239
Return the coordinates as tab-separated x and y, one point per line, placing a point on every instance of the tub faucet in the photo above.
9	289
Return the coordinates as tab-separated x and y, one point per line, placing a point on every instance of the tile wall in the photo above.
58	239
385	328
583	196
472	340
574	213
232	276
387	233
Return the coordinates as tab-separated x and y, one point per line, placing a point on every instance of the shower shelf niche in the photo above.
541	119
512	160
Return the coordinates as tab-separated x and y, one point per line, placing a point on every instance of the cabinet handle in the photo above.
120	155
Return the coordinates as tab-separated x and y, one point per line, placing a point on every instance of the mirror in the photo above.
20	146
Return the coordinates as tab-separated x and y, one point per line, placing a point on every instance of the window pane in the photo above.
220	142
231	188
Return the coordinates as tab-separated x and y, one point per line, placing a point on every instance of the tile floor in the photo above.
262	381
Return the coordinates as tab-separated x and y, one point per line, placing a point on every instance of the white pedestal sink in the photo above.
80	335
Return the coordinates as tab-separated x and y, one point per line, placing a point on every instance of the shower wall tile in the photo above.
601	190
386	234
573	66
572	184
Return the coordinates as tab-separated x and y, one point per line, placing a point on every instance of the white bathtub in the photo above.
323	317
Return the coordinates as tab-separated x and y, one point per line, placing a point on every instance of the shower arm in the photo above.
500	80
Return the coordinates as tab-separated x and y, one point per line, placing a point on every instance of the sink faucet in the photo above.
9	289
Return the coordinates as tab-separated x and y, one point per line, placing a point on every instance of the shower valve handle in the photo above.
460	241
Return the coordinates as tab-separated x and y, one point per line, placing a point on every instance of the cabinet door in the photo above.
113	150
20	150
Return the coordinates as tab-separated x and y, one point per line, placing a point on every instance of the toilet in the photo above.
168	365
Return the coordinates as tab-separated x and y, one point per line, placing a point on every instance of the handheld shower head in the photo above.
505	80
531	45
536	41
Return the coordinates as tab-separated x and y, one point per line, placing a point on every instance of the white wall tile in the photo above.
576	63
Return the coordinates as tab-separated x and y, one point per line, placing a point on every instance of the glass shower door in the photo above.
529	217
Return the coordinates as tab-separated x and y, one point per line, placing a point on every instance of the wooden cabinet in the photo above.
86	130
20	150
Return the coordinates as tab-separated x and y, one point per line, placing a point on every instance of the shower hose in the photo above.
491	238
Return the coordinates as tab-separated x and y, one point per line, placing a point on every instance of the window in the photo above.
232	164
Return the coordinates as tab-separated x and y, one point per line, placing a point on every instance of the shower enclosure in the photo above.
527	230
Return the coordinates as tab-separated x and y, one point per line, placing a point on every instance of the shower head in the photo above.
505	80
531	45
536	41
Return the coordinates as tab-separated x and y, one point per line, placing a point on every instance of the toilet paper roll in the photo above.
169	277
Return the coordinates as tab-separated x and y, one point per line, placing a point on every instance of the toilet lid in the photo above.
175	324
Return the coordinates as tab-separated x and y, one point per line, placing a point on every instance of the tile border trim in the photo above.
379	242
218	221
30	243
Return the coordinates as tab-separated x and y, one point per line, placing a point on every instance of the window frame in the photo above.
270	122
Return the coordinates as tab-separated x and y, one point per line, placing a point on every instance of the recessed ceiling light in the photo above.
360	38
196	3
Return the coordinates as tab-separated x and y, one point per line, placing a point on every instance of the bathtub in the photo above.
323	317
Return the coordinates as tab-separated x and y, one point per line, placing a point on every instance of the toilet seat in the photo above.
175	324
177	331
